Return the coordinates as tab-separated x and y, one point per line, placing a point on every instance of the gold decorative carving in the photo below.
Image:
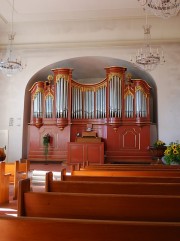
38	90
139	88
62	76
114	74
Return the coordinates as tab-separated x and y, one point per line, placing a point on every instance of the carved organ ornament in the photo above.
113	101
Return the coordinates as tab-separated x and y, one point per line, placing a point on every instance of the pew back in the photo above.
126	167
126	173
41	229
152	179
10	168
97	206
140	188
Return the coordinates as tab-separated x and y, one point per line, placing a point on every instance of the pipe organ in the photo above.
117	109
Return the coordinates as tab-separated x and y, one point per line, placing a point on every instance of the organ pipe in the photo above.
129	106
141	104
91	101
62	98
115	97
49	106
37	105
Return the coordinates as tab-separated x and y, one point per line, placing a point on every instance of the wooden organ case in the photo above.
117	109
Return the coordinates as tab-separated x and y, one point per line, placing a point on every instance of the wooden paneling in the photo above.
128	142
57	147
80	152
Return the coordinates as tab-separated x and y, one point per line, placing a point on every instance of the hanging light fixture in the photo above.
148	57
162	8
11	64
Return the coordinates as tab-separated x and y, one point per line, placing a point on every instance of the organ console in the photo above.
117	109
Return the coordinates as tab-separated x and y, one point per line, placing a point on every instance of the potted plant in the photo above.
157	150
46	142
172	154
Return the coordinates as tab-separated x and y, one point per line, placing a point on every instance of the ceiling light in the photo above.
11	64
148	57
162	8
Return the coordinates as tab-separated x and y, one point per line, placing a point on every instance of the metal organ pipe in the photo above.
37	112
129	106
66	98
144	110
141	104
115	97
35	107
119	99
58	99
104	104
49	106
110	98
101	102
138	103
62	98
38	105
76	103
72	103
97	103
86	105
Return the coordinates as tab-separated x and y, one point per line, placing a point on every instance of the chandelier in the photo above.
162	8
11	64
148	57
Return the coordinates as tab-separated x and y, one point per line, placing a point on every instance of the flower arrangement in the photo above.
159	143
157	150
172	153
46	141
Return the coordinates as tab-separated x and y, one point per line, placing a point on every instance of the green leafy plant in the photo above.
46	142
172	153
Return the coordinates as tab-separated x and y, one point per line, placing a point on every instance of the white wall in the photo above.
12	90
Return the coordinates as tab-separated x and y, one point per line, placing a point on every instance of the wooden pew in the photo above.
46	229
84	166
66	177
22	169
4	184
17	170
126	173
97	206
138	188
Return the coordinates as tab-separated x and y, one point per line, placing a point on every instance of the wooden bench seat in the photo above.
140	188
46	229
97	206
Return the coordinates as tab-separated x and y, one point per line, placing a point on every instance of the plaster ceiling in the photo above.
39	21
56	21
